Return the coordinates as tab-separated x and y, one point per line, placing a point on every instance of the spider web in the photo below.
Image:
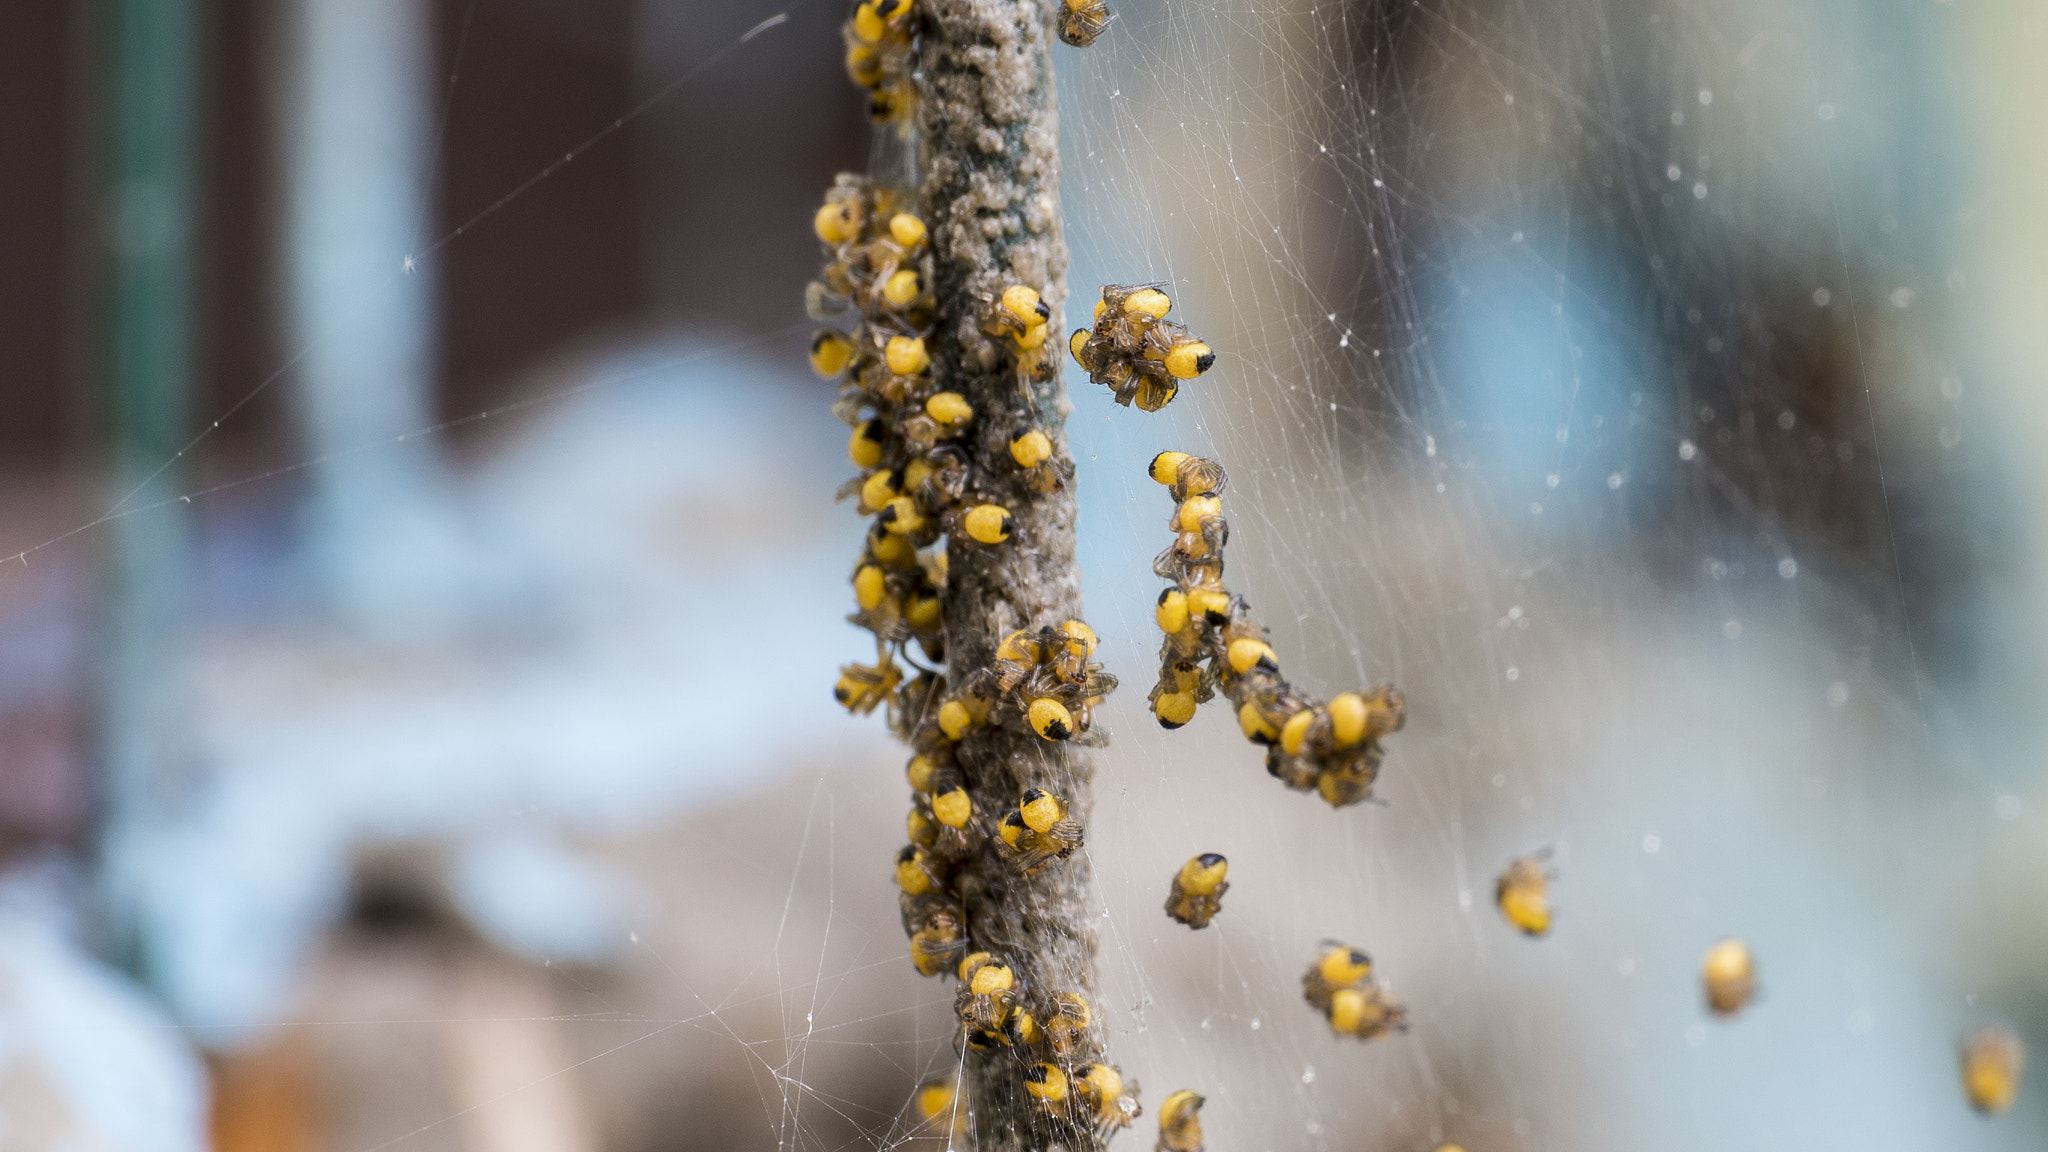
1594	372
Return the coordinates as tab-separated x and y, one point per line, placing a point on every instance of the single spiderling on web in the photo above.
1180	1122
1135	350
1523	893
1196	894
1729	975
1994	1060
1213	642
1341	985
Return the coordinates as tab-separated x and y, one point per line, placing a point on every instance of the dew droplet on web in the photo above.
1788	568
1821	296
1652	844
1838	694
1613	480
1687	450
1256	1023
1514	673
1308	1074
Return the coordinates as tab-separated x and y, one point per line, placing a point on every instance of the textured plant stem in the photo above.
989	142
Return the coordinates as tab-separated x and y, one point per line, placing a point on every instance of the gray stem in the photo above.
988	130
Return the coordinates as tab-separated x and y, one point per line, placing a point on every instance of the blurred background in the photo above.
423	587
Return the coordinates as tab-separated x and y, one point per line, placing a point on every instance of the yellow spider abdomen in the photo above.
1149	302
1050	719
865	446
1041	810
949	408
1201	874
1166	466
902	287
878	489
952	807
1348	715
1188	360
1174	708
836	223
868	586
906	229
987	523
1246	654
1210	603
1046	1083
1994	1060
1022	301
1195	509
1172	612
890	548
906	355
901	516
990	979
1295	731
867	23
1343	966
912	873
1031	449
1729	973
831	352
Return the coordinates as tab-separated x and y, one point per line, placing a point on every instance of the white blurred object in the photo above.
682	654
533	896
86	1063
397	552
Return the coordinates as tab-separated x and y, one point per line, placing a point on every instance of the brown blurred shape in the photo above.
266	1099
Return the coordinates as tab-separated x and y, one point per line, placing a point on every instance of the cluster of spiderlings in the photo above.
913	477
1093	1096
880	39
1135	350
1082	22
1340	985
1213	643
1046	678
1050	1033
